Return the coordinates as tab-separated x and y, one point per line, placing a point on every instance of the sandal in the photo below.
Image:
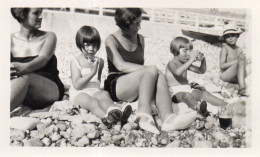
105	121
127	111
114	114
203	109
148	125
179	122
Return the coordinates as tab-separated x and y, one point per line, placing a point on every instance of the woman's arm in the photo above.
45	55
222	59
78	80
118	61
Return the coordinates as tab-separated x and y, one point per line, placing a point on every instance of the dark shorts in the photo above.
110	85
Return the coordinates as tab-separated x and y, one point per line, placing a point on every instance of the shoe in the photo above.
114	114
105	121
126	112
148	125
179	122
203	109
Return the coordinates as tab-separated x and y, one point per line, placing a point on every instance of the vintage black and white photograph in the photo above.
130	77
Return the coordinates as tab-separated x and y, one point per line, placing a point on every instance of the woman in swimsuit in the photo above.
34	75
129	79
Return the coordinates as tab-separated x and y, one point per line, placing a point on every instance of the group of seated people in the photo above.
35	81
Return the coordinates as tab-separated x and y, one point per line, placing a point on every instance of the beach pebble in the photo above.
117	127
16	143
154	141
209	125
164	141
65	134
79	131
127	127
46	141
102	126
55	137
36	142
203	144
93	134
174	133
62	127
41	127
23	123
106	133
174	144
117	138
106	139
34	133
17	134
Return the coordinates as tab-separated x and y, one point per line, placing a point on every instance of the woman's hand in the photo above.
18	68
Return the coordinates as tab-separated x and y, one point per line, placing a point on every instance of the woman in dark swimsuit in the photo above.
34	75
129	79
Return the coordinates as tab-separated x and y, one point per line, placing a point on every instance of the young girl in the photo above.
176	75
86	72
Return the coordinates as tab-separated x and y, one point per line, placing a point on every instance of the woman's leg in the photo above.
19	87
139	83
41	91
163	98
36	90
89	103
208	98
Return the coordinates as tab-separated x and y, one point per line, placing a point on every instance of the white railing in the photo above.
172	16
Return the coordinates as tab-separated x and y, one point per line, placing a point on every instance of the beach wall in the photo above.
66	24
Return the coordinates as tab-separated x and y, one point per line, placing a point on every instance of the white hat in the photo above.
230	29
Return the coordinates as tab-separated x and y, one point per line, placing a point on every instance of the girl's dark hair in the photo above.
20	13
179	42
124	17
87	34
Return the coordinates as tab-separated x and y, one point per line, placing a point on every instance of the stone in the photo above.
164	141
203	144
174	144
127	127
23	123
41	127
62	127
36	142
174	133
16	143
117	127
79	131
17	134
106	133
55	137
65	134
84	140
93	134
106	139
46	141
154	141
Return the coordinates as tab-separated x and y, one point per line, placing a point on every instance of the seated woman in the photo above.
34	75
129	79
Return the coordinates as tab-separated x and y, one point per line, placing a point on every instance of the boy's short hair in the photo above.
124	17
180	42
20	13
87	34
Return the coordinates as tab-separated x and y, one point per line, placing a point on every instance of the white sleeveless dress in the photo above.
90	88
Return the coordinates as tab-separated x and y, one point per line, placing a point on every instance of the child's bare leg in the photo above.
89	103
241	74
19	87
163	98
187	98
104	99
208	98
229	74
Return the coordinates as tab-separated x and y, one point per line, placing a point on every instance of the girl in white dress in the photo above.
86	72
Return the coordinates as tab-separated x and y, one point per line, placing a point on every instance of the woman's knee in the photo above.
103	95
153	70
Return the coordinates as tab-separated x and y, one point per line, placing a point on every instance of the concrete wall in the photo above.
66	24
